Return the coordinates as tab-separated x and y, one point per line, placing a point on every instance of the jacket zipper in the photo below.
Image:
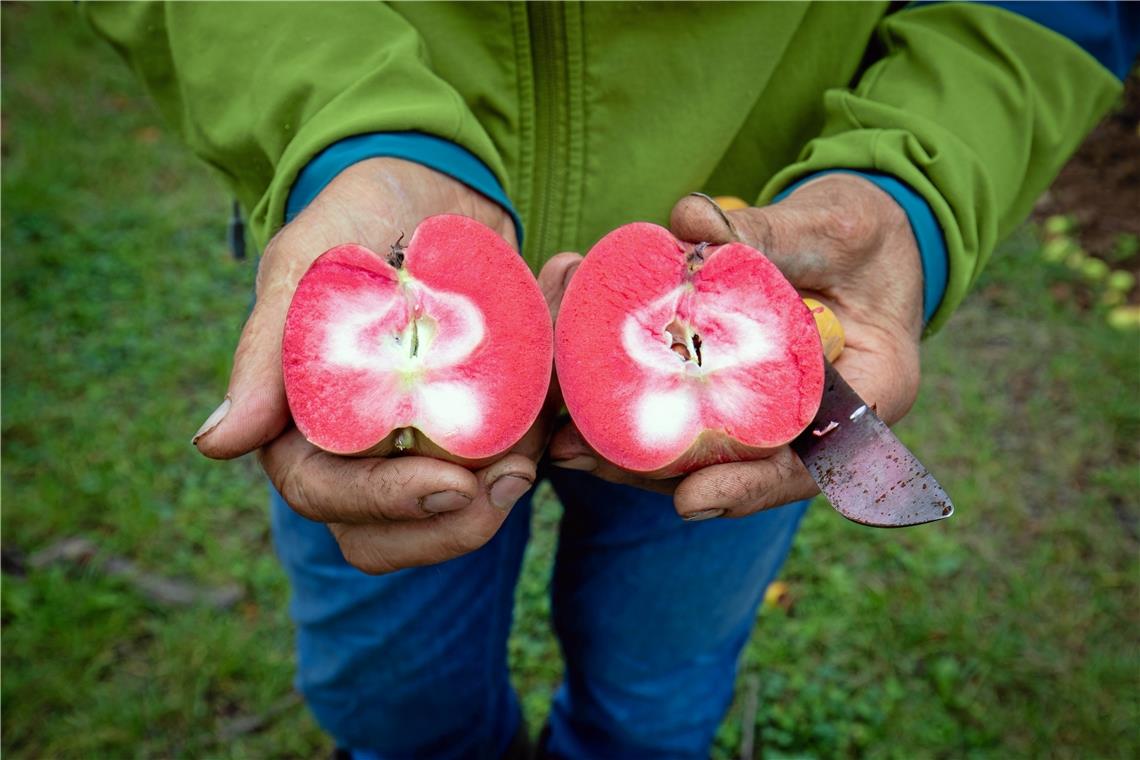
548	56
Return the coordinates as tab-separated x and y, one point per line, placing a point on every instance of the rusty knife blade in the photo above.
866	473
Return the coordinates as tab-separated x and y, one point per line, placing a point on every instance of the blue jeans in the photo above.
651	613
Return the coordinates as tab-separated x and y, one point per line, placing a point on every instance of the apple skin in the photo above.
442	347
673	356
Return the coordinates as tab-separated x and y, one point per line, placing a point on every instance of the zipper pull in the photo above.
235	233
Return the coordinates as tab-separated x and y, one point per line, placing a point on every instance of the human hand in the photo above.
386	514
841	240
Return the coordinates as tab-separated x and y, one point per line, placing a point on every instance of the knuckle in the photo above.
293	483
292	489
388	486
759	231
850	226
270	258
796	482
375	488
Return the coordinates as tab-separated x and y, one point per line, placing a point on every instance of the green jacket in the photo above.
592	115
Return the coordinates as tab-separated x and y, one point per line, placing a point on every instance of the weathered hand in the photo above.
845	242
386	514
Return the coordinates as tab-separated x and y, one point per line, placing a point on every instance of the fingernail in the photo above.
444	501
706	514
580	462
212	421
507	490
720	212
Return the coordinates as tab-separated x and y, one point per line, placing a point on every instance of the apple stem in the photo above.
396	257
696	257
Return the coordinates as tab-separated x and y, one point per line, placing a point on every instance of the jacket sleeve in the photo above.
257	90
973	107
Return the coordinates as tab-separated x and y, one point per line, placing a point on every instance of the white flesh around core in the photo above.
418	337
694	359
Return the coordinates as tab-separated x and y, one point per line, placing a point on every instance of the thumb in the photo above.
784	232
555	277
254	411
698	218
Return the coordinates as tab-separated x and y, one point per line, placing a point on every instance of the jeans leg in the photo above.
407	665
652	614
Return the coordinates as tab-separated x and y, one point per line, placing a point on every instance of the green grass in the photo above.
1007	631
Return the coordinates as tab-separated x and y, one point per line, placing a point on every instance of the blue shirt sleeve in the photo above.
927	233
434	152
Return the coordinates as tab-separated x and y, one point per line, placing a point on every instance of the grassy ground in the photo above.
1009	630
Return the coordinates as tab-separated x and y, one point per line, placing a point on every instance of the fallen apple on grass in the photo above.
442	347
672	356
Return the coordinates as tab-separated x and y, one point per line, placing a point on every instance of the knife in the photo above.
866	473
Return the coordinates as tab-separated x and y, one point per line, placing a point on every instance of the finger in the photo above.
698	218
741	488
555	276
505	481
255	410
328	488
386	547
570	451
787	233
811	235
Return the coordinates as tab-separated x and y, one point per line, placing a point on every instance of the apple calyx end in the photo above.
405	440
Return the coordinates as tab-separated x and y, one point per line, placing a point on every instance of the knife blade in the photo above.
866	472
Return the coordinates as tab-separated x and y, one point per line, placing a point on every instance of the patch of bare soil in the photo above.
1100	187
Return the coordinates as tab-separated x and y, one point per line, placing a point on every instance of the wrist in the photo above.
395	194
424	150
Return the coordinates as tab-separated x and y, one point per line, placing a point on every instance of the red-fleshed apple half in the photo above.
672	356
442	347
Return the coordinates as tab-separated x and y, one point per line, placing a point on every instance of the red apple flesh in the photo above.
673	356
442	347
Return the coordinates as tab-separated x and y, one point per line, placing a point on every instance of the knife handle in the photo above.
830	331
